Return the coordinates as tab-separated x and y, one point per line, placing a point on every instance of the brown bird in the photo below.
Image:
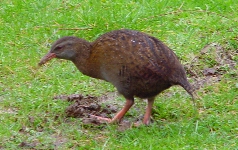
135	63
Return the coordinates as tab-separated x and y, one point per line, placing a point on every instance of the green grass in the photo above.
28	114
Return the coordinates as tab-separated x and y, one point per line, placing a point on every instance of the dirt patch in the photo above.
208	67
58	139
28	145
85	106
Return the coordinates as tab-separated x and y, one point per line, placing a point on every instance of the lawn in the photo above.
202	33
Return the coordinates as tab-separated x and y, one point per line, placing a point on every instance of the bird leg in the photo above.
148	112
119	115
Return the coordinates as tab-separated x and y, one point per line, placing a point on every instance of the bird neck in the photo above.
82	60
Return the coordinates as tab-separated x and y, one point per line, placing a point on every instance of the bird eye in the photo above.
59	47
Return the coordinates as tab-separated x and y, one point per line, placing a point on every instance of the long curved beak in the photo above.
47	58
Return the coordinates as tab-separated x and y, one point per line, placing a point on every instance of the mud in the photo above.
210	64
85	107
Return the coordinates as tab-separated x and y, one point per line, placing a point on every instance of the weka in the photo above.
135	63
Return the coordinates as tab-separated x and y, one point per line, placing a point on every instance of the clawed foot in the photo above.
139	123
111	121
101	119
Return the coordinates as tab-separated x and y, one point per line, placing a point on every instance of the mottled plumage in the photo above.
135	63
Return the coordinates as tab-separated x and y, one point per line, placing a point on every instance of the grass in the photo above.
31	119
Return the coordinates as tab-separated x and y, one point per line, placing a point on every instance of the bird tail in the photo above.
191	90
187	86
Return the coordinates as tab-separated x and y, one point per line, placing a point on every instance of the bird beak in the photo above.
47	58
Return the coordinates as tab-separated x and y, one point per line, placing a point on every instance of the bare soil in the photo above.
86	106
208	67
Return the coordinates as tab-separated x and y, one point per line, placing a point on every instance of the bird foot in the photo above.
101	119
139	123
106	120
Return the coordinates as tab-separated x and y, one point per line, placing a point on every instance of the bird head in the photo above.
64	48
